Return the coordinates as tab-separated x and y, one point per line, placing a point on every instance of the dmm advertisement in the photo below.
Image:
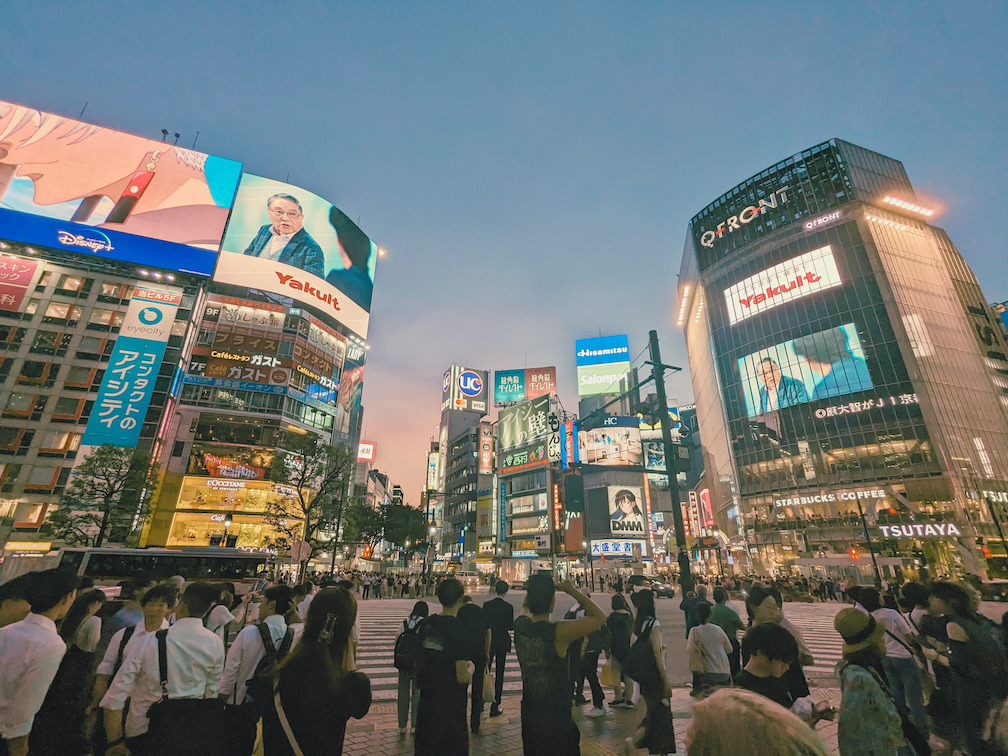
289	241
101	192
816	366
626	513
128	385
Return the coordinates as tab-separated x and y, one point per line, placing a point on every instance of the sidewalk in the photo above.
376	734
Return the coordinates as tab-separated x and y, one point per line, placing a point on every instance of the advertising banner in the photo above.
817	366
486	449
524	384
522	458
219	461
615	547
15	278
792	279
626	513
351	388
523	423
128	385
105	193
289	241
366	451
610	446
432	471
602	363
463	388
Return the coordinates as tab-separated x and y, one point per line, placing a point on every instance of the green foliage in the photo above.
315	478
108	491
403	523
363	524
75	528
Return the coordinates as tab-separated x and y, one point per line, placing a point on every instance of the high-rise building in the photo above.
158	298
849	375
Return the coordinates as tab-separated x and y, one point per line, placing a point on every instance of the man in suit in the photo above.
778	391
284	238
500	616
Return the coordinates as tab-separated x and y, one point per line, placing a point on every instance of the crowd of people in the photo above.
922	671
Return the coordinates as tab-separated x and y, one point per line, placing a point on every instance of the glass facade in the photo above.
843	361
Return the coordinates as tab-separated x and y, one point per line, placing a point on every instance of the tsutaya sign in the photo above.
921	530
735	222
785	282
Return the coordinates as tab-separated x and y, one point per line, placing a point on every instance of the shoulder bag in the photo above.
284	723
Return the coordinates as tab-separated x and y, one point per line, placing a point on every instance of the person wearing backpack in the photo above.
407	647
249	647
645	663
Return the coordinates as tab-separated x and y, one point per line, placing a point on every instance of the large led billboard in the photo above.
817	366
611	446
72	185
523	423
792	279
523	384
626	511
289	241
602	363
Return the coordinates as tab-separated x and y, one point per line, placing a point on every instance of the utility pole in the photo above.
671	463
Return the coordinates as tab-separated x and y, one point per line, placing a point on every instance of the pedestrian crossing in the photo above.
815	623
380	622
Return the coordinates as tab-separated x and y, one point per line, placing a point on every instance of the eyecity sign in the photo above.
735	222
921	530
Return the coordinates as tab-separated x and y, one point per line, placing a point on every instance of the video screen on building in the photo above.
287	240
817	366
102	192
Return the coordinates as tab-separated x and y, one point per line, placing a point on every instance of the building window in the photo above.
33	371
67	406
61	312
75	284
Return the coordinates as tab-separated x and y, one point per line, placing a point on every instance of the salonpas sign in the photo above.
921	530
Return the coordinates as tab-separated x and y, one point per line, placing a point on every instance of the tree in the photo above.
74	528
402	524
112	481
314	479
363	524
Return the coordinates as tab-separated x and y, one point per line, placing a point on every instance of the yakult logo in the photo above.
793	279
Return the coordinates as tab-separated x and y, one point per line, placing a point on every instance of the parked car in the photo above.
643	581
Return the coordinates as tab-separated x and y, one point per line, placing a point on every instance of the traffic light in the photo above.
854	553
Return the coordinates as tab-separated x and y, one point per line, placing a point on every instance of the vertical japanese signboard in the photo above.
486	449
128	384
15	278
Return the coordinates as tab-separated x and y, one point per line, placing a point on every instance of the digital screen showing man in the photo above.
303	247
625	514
817	366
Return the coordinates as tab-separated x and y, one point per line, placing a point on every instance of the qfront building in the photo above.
158	298
850	378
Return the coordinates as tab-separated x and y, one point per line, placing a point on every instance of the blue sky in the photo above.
531	167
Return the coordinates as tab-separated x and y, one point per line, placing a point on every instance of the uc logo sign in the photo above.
150	315
470	383
446	382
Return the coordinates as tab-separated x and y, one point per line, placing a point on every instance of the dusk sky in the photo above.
531	167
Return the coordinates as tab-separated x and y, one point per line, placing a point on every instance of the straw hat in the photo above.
859	630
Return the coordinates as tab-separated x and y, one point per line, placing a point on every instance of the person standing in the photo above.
316	688
477	632
620	624
442	677
728	620
658	735
688	605
195	661
766	605
548	728
708	648
408	696
500	616
249	648
30	654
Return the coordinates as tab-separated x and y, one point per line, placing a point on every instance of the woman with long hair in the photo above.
408	696
658	735
869	725
316	689
620	624
63	723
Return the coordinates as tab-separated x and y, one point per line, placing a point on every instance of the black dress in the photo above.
60	728
548	729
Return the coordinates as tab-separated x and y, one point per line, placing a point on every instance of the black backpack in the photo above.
407	649
262	678
640	664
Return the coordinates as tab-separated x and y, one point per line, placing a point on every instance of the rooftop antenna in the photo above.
164	134
177	135
194	140
83	109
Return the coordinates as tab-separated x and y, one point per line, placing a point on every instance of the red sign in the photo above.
15	276
366	451
557	508
539	382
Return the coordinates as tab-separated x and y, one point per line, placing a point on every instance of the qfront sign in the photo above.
748	214
921	530
793	279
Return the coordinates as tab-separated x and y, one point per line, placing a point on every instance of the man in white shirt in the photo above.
30	654
195	663
155	604
248	649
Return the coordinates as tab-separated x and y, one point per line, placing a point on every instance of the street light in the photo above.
227	524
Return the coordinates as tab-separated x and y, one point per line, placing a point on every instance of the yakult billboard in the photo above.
792	279
289	241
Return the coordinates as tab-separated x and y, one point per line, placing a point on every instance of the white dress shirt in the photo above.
30	654
219	619
107	665
88	635
245	654
195	663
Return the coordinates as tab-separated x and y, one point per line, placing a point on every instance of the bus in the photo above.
108	566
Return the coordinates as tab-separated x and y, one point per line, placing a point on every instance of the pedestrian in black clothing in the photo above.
620	624
443	676
500	616
477	631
